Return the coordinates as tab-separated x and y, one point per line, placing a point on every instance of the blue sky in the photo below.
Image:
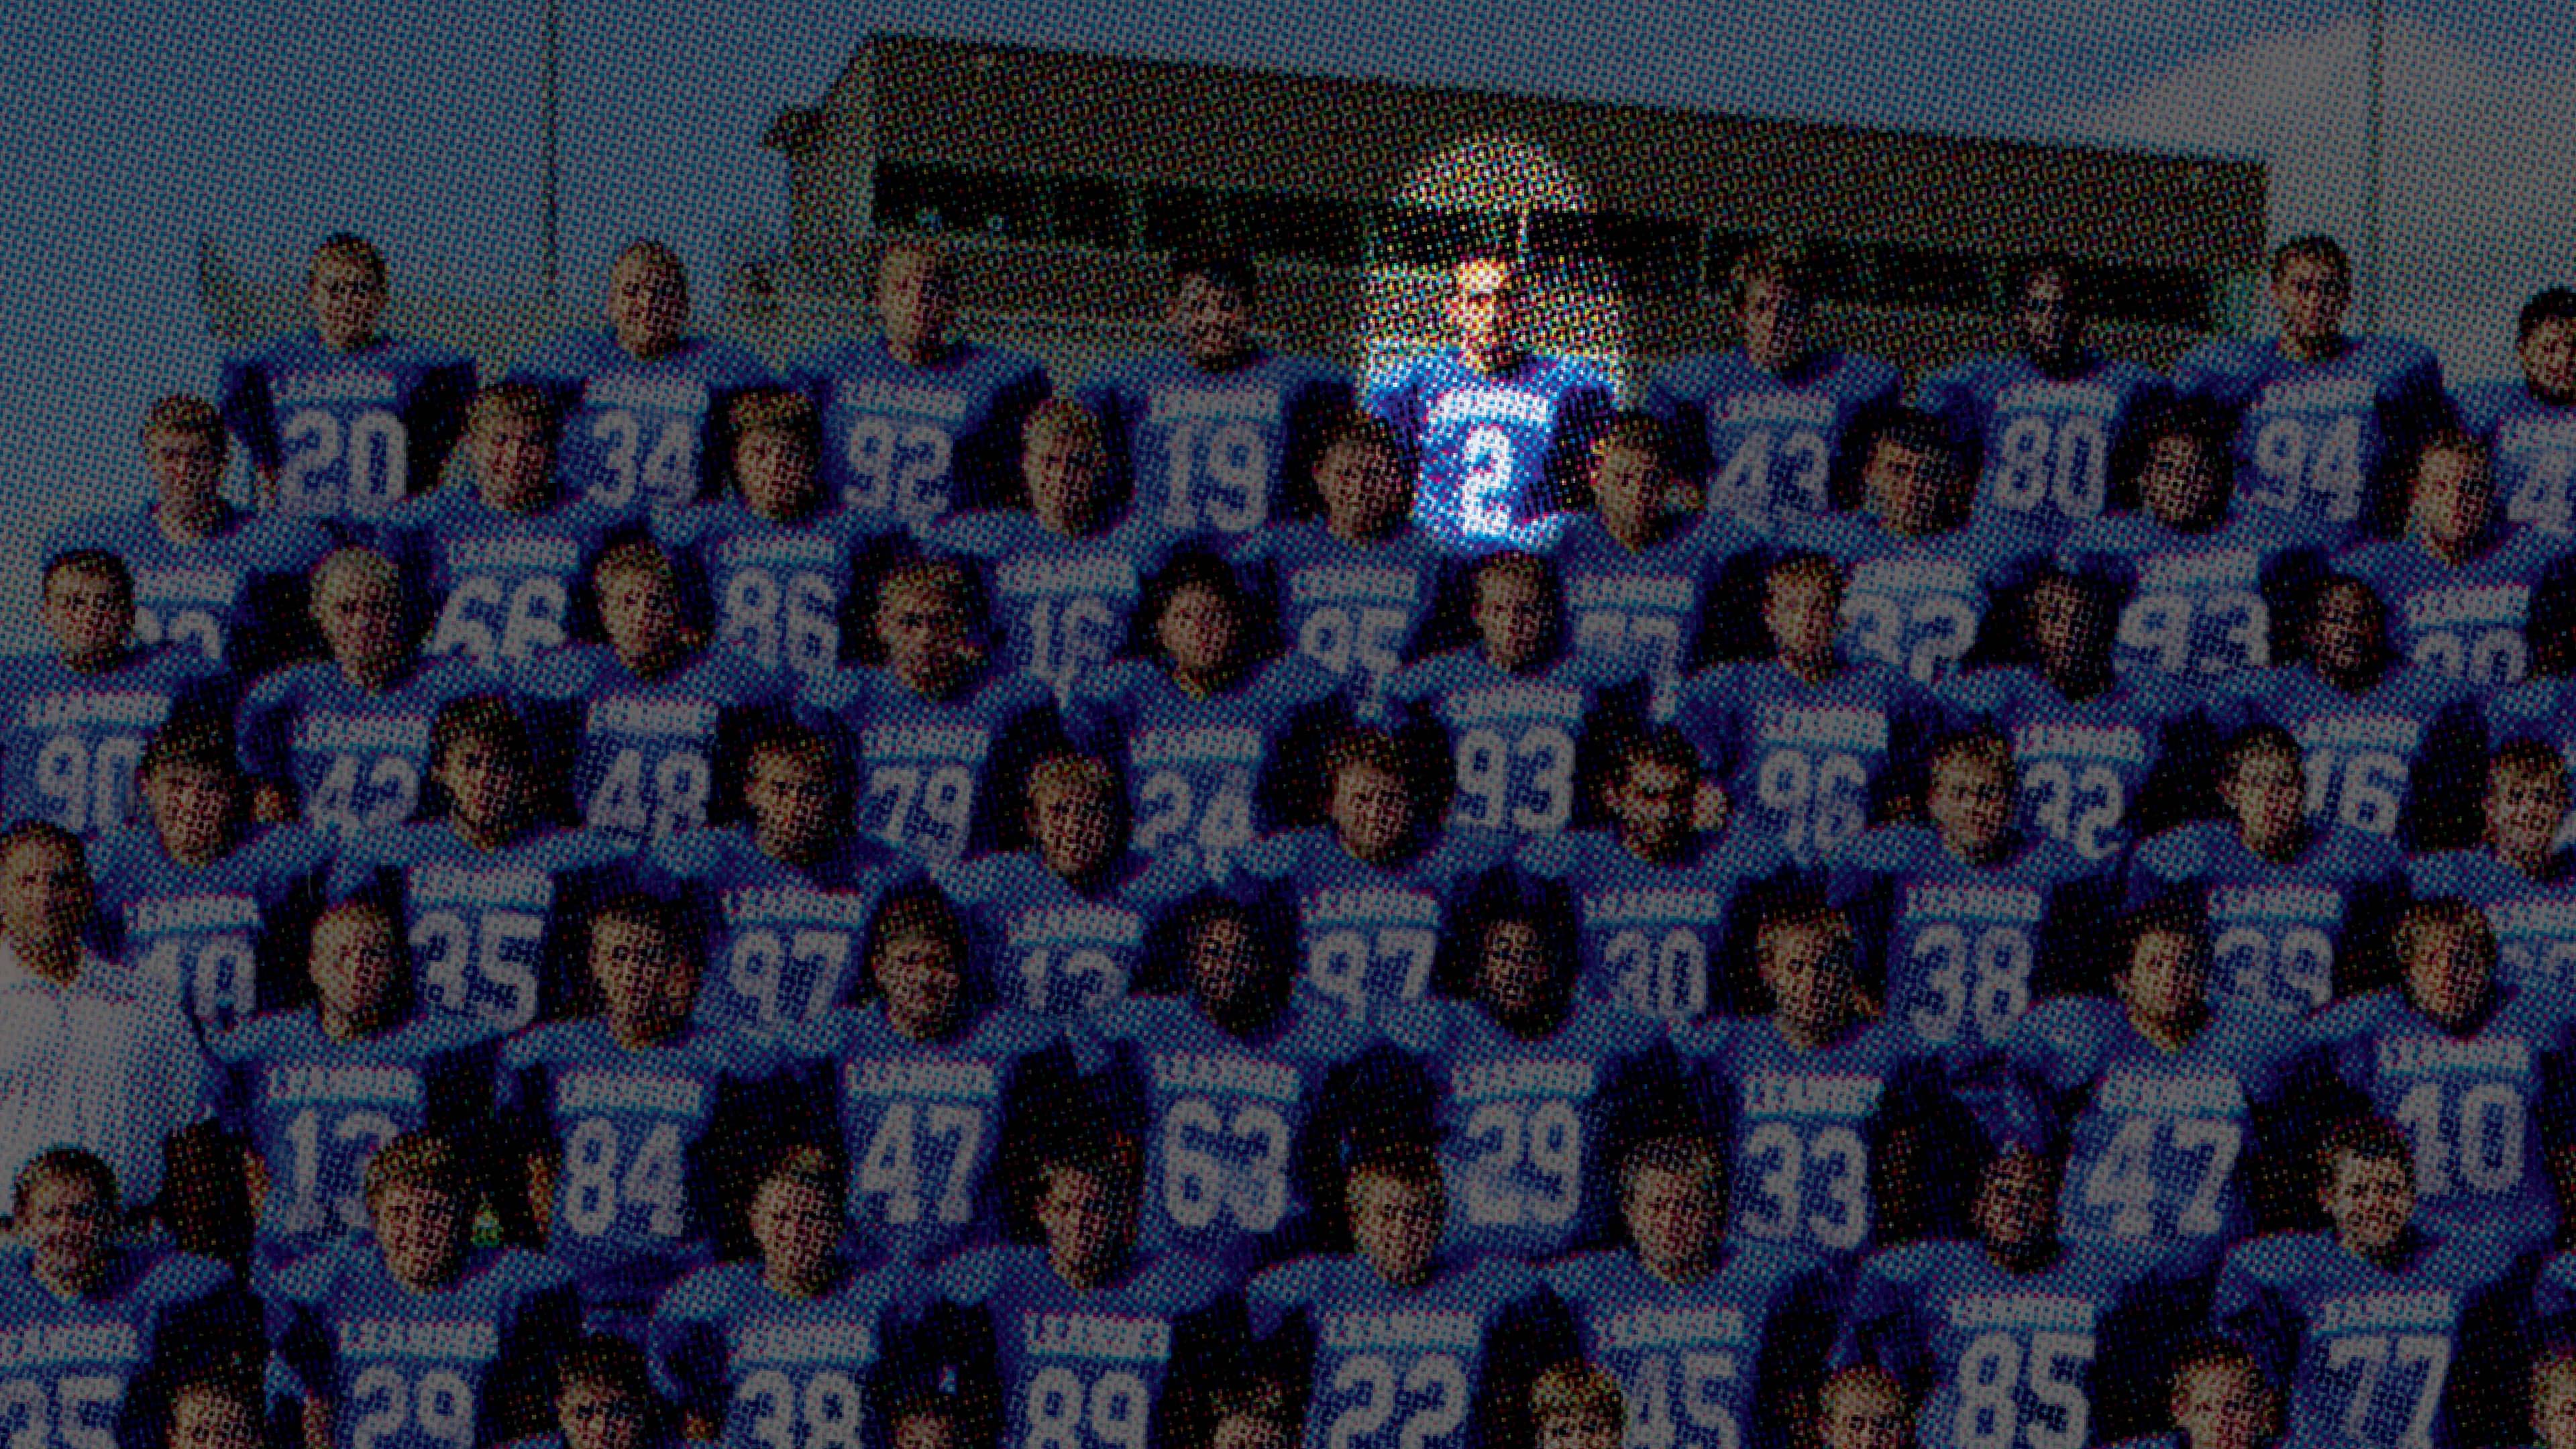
134	128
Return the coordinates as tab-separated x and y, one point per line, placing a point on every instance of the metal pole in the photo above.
552	256
2371	236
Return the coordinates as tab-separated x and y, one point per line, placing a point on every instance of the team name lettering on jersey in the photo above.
69	1343
296	387
2127	1091
918	741
945	404
1067	576
1317	585
669	394
1098	1336
194	913
2430	1309
1625	907
2282	902
776	548
396	1086
2330	394
1783	1094
2363	732
1515	701
2491	604
2020	1310
2125	743
1814	409
419	1338
1659	1327
620	1092
1399	1330
1172	405
1488	404
553	555
1522	1079
794	905
1630	591
2057	397
362	732
809	1343
1176	746
1079	923
1980	902
680	718
973	1080
2412	1055
1373	905
79	707
2225	567
1236	1076
522	886
1857	729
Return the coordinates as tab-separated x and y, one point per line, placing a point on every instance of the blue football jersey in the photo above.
2281	932
2318	445
1807	765
1367	934
1394	1368
409	1370
910	444
1048	946
1963	950
935	776
1803	1124
2534	918
1766	445
86	1368
1991	1356
1064	605
1704	1365
1917	605
1358	609
2463	621
494	934
921	1122
1520	1121
1647	615
2083	763
356	760
651	757
1515	739
1217	454
1201	773
314	1109
2532	445
226	936
503	587
2195	608
1653	936
1082	1369
70	741
2046	445
2366	1352
1227	1118
2159	1139
636	1135
776	1369
347	434
235	597
638	434
785	594
2473	1102
785	943
1496	459
2365	754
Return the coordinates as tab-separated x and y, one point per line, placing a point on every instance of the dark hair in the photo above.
2313	248
203	743
2557	304
2069	272
1218	267
486	718
64	1164
1915	431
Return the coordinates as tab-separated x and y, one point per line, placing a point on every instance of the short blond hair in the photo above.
354	563
1072	772
518	402
773	410
1061	417
182	412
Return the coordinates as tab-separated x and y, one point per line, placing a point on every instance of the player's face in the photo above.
648	304
2311	295
361	620
87	616
1063	474
2344	635
1485	307
2068	623
598	1416
923	629
2525	809
1225	964
1910	486
1808	972
346	297
1673	1216
795	1225
482	783
916	302
2369	1199
44	893
1371	811
1652	803
2222	1406
1516	617
790	799
357	962
1214	320
191	805
1866	1416
1364	488
1396	1225
1970	803
2180	481
2454	495
1628	484
66	1225
2166	976
2549	358
1578	1431
1801	613
2016	1199
1512	969
639	609
1087	1218
2050	326
212	1421
2266	793
422	1232
514	461
187	467
776	466
1073	827
1774	319
2447	972
2553	1408
644	977
1197	630
920	979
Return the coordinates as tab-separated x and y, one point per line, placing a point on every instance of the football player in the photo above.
2461	591
2529	426
2219	1401
2517	873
